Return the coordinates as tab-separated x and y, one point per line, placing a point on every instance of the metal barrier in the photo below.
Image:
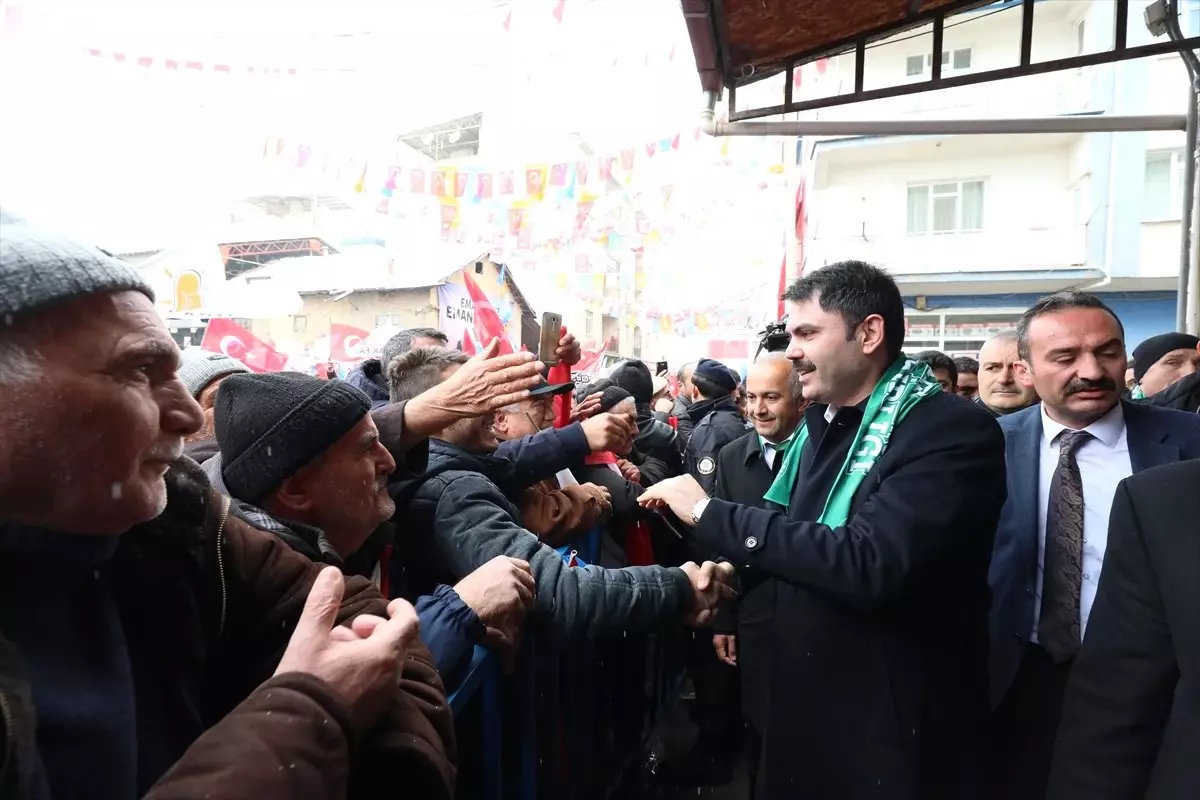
568	723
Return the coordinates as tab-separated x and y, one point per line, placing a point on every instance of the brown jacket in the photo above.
208	604
556	516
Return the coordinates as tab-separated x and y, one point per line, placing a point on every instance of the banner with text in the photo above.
456	313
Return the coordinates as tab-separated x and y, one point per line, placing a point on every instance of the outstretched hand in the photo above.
678	494
485	383
712	583
362	661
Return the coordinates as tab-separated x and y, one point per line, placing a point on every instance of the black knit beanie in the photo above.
1151	351
634	377
271	425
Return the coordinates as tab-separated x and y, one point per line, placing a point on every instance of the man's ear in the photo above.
1024	373
871	334
293	495
500	421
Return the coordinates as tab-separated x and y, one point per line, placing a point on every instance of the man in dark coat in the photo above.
656	440
458	519
878	545
1171	377
716	420
323	491
1065	459
1000	391
745	471
175	635
1130	727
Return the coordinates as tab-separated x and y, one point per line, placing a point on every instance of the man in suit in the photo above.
877	546
745	471
1131	725
999	390
1065	458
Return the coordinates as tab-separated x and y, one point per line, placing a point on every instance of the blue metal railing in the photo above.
569	721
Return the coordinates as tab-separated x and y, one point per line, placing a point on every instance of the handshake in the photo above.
712	583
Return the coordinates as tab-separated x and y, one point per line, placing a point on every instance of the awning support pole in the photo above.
1097	123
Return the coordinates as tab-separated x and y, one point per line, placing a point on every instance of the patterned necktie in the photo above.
1062	572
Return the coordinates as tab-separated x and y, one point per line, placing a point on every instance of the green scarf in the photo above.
905	384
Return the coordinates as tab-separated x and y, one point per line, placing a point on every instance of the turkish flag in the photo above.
487	322
226	336
346	343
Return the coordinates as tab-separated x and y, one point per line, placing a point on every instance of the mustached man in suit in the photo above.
1065	458
1131	721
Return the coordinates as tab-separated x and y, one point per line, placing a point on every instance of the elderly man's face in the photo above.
85	444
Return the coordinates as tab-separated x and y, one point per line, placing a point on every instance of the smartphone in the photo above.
660	368
551	333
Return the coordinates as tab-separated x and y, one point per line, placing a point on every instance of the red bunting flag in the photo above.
508	183
559	7
226	336
460	183
581	172
437	185
484	189
627	159
516	219
416	181
558	175
651	148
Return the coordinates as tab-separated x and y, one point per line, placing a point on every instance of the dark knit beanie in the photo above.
611	397
635	378
1151	351
271	425
717	374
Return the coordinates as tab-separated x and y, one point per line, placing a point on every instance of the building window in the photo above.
384	320
956	333
945	207
589	322
1163	191
952	61
300	324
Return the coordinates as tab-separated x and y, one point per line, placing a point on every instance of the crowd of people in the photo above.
906	577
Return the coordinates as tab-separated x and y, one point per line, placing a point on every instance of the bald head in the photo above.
773	399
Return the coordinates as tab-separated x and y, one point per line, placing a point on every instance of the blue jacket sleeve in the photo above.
535	458
450	629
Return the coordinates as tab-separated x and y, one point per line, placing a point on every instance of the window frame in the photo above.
947	63
959	183
1176	168
300	323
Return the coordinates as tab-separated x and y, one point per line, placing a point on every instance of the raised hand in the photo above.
589	408
609	432
361	662
569	352
486	383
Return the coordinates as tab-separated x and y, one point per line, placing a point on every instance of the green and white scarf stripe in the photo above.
905	384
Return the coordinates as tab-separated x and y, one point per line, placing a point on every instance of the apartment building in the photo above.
976	227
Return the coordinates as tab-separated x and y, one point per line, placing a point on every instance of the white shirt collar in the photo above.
1107	429
830	413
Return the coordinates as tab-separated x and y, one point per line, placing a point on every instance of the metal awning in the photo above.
740	42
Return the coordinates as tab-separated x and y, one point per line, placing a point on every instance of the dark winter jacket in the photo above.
656	448
456	519
717	424
369	378
1183	395
449	628
207	605
683	420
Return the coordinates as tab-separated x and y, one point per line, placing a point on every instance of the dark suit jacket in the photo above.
1155	436
1131	722
743	477
878	647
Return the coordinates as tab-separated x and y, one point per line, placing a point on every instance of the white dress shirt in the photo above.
1103	463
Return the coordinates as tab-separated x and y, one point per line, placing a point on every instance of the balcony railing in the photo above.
986	251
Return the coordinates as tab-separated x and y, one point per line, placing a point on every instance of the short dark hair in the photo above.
966	365
402	342
417	371
1054	304
936	359
855	290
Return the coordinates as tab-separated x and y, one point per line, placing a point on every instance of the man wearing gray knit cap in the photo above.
202	373
146	633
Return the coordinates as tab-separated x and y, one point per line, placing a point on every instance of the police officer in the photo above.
718	422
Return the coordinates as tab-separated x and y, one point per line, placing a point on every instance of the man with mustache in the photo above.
999	390
876	537
1065	458
303	460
